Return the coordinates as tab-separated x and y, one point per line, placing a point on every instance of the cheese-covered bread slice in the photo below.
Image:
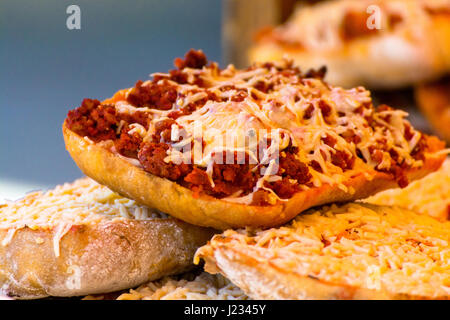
353	251
254	147
82	238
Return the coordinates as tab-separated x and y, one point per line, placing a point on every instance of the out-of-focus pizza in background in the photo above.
400	49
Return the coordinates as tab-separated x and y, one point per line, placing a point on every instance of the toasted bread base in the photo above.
257	280
133	182
274	264
103	258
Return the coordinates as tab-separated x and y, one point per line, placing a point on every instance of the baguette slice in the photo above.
354	251
81	238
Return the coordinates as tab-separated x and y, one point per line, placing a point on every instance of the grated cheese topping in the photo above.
359	245
430	195
283	116
83	202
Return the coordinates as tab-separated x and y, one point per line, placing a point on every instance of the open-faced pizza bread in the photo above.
433	99
82	238
381	44
353	251
255	147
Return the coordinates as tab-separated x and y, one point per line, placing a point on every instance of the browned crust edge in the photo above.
169	197
94	259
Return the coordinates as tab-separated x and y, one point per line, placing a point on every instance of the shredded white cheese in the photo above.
224	125
356	245
83	202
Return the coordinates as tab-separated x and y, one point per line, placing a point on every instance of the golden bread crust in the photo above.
258	280
337	253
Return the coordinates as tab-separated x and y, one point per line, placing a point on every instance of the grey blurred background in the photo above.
46	69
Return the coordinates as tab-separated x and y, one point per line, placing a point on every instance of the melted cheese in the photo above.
226	125
139	129
363	246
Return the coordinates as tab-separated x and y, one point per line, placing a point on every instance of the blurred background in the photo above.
47	69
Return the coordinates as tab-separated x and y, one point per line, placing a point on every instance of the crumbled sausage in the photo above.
92	119
152	155
195	59
128	144
161	95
